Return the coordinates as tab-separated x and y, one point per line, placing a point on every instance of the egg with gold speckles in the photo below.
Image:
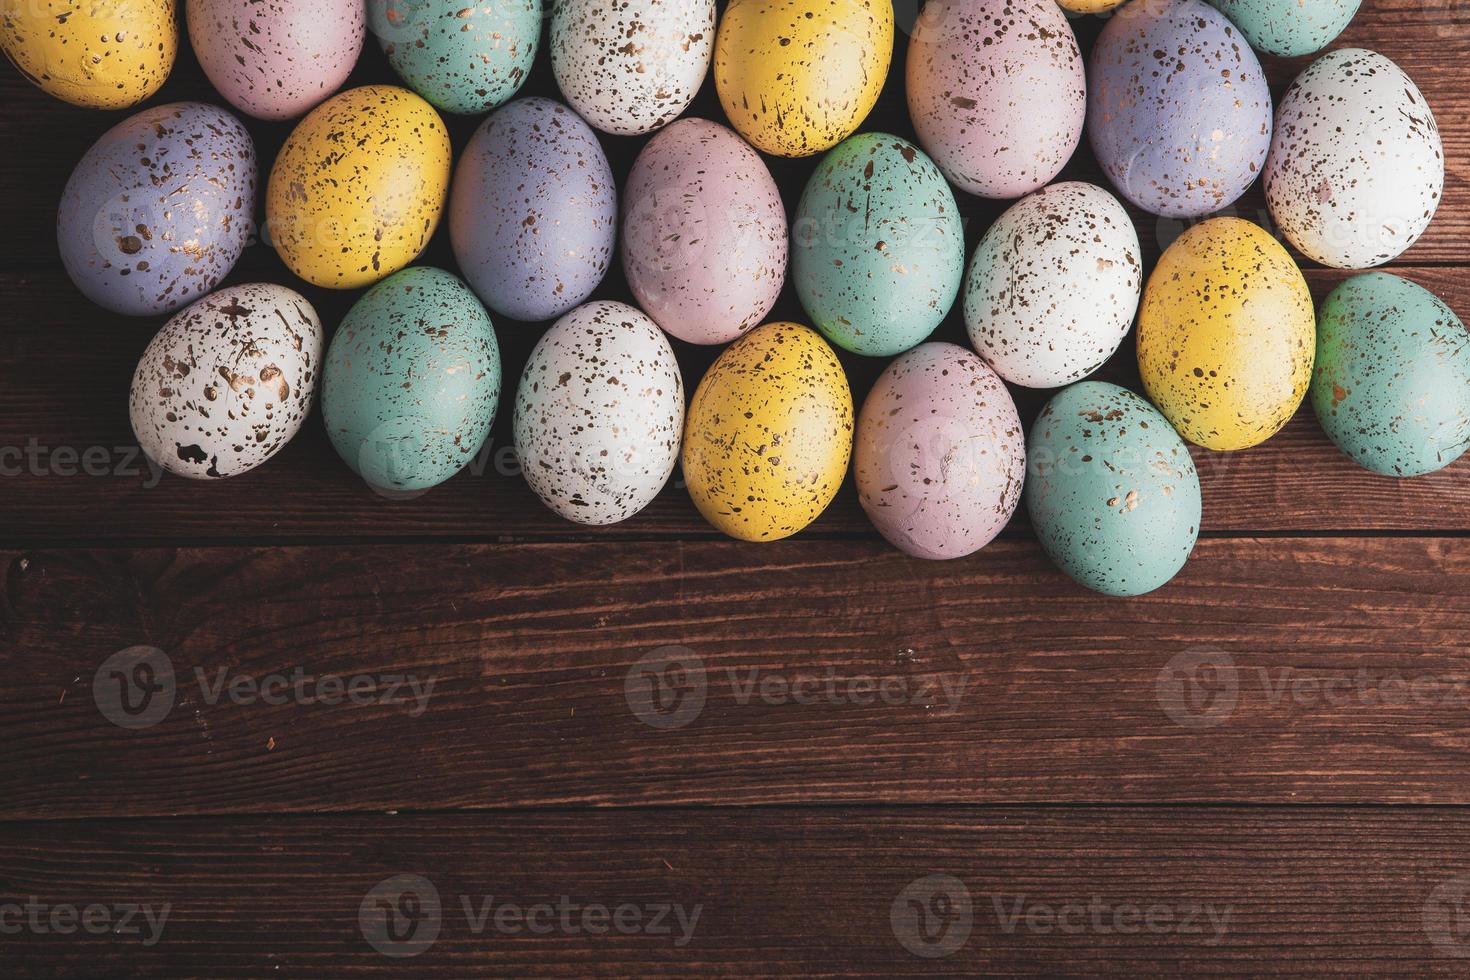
796	77
98	55
1391	385
1178	113
159	210
359	187
1111	490
600	414
412	381
465	58
533	216
631	66
1289	28
941	456
769	434
878	248
1226	335
227	382
276	59
997	92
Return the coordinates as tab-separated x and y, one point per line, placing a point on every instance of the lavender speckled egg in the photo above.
940	456
412	381
1054	285
631	66
1179	114
276	59
1391	385
600	414
1289	28
533	214
465	58
997	92
1111	489
1356	168
704	233
159	209
878	249
227	382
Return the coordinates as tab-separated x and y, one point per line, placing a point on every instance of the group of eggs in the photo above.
1178	113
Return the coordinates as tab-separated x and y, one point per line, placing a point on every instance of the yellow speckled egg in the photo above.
1226	335
1089	6
797	77
769	434
95	54
359	187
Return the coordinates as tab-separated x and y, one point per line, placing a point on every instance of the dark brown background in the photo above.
1325	809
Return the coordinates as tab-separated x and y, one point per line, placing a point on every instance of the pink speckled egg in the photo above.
997	92
941	456
704	233
276	59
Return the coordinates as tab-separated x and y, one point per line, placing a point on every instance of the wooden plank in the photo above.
1046	892
1273	670
74	473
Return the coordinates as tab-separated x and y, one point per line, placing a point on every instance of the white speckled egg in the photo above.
1356	166
1054	285
228	381
631	66
600	414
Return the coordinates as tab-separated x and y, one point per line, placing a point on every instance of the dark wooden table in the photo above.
1264	767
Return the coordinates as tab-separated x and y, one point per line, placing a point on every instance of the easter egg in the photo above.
1226	335
1392	382
412	381
1289	28
227	382
159	209
1179	114
463	57
632	66
769	434
600	414
1356	168
879	249
1090	6
359	187
533	216
1111	490
940	456
796	77
98	55
276	59
1053	286
704	233
997	92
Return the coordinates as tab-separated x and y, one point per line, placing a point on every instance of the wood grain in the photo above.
1239	892
1332	670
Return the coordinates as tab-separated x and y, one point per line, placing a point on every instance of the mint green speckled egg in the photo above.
463	57
1111	489
878	249
412	381
1289	28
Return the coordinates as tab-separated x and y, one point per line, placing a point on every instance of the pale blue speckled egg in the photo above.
878	248
1289	28
412	381
1391	385
1111	489
463	57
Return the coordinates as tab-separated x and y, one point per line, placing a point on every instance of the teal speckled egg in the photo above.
464	58
1391	385
1111	489
878	249
412	381
1289	28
